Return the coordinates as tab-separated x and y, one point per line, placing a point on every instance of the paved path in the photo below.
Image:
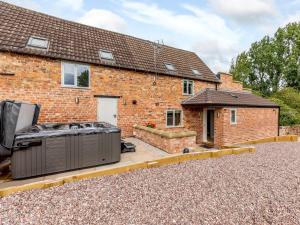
260	188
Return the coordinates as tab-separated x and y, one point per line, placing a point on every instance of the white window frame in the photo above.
173	111
230	114
188	81
76	65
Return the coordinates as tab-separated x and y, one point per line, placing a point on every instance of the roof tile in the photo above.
74	41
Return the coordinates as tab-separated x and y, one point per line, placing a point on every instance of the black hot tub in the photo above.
50	148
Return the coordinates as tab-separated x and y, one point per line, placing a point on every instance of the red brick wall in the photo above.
228	83
38	80
170	145
252	123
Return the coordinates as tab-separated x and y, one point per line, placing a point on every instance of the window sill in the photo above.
73	87
187	94
170	127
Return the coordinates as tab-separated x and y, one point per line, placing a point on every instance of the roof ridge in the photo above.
85	25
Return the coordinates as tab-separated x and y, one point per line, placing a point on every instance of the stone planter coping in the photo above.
166	134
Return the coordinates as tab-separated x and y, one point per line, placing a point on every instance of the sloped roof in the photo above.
77	42
211	97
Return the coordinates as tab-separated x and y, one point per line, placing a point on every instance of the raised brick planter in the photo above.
171	142
287	130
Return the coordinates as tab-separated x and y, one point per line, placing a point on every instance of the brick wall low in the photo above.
252	123
170	145
290	130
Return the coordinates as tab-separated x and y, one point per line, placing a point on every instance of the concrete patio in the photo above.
144	152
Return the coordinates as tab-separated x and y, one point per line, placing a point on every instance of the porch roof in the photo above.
212	97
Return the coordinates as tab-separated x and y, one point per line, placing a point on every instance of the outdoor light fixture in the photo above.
77	100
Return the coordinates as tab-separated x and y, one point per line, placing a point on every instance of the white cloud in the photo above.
75	5
29	4
291	18
104	19
207	33
246	11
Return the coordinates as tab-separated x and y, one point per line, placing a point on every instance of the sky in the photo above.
217	30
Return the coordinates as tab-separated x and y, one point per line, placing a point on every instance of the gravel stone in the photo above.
259	188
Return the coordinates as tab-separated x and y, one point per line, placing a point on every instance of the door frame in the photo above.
205	124
98	97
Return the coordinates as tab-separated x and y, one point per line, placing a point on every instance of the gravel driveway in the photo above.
260	188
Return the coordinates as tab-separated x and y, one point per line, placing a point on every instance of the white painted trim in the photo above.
193	85
204	124
75	85
236	116
181	118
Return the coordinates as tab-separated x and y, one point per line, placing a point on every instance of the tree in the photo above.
271	63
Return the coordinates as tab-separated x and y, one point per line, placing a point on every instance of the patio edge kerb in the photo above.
123	169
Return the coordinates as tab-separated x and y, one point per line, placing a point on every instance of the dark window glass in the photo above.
177	118
170	118
82	76
233	116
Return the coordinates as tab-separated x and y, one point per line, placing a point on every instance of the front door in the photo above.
210	125
107	110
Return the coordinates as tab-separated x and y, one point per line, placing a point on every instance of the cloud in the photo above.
29	4
206	33
74	5
103	19
246	11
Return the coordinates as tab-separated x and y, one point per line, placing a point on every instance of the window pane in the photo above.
38	42
69	74
83	76
190	90
170	118
177	118
106	55
233	116
69	79
69	68
170	66
185	89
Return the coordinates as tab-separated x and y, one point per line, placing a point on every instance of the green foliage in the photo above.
271	63
289	101
288	115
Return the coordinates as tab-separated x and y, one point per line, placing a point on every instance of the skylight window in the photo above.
170	66
106	55
38	42
196	72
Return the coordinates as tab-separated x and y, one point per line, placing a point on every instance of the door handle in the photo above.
115	116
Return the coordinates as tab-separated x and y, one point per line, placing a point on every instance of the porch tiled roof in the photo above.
211	97
77	42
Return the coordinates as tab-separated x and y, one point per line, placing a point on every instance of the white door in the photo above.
107	110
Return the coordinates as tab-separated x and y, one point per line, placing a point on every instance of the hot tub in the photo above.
50	148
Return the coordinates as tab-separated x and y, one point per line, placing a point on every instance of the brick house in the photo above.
81	73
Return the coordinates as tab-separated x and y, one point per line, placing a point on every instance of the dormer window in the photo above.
196	72
170	67
38	42
107	55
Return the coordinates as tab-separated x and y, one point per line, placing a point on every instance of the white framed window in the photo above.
173	118
170	67
233	116
108	55
75	75
187	87
38	42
